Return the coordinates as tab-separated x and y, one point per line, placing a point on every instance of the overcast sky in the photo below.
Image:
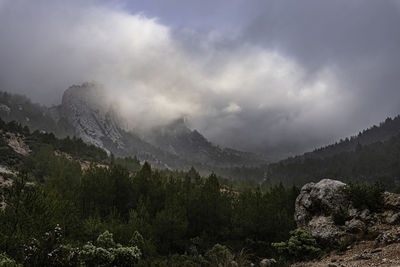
253	75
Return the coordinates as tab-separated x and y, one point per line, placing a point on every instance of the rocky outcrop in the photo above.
324	210
84	107
17	143
323	198
316	207
87	108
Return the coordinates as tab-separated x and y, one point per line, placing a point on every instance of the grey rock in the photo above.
314	208
234	264
325	197
392	201
268	262
376	250
365	215
5	108
85	108
388	237
394	219
363	256
324	230
353	212
355	226
320	205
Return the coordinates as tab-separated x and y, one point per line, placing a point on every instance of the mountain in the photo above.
20	108
373	155
85	113
177	139
384	131
91	118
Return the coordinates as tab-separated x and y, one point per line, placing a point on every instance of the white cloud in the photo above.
153	78
232	108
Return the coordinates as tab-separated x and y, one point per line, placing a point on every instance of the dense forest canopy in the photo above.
54	207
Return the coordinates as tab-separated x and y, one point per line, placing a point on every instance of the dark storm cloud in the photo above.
361	39
257	75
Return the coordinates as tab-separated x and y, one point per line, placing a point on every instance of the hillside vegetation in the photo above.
372	156
54	207
378	162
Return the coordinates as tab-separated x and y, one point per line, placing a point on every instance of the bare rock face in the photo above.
392	201
316	206
324	210
85	108
388	237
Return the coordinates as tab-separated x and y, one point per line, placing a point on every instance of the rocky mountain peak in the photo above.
94	121
87	112
89	94
175	128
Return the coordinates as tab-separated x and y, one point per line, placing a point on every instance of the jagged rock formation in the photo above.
176	138
96	122
92	118
320	204
87	113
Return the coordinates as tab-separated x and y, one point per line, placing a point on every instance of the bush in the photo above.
364	196
47	250
346	242
106	240
125	256
109	253
300	246
5	261
96	256
219	255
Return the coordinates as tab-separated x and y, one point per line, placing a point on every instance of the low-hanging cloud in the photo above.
235	90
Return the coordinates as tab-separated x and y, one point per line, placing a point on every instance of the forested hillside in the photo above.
379	161
56	212
384	131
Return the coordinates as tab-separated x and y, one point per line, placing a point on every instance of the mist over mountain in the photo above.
258	76
85	112
194	133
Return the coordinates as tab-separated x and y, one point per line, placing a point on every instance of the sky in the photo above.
264	76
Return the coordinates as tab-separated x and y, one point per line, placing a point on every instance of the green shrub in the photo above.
47	250
5	261
364	196
109	253
346	242
300	246
137	240
96	256
125	256
219	255
106	240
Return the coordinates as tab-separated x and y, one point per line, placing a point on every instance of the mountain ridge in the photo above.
84	112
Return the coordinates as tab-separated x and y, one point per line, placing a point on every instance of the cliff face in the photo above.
177	139
92	118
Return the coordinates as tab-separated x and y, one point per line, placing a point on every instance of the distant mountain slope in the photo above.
19	108
17	143
387	129
85	113
374	155
177	139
